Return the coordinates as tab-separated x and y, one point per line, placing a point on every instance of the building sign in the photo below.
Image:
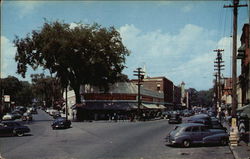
6	98
108	96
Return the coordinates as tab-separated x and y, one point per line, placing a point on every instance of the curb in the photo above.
235	154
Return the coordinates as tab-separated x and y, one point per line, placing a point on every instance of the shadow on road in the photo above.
8	136
195	145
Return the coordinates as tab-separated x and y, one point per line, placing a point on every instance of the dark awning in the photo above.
110	106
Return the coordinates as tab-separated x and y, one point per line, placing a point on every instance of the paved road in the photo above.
101	140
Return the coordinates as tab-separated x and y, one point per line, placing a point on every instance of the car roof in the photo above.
200	116
190	124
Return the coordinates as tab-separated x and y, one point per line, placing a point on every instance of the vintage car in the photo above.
61	122
27	117
192	133
175	119
12	128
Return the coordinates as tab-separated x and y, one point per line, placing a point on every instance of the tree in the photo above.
25	96
20	91
193	96
86	54
40	85
205	97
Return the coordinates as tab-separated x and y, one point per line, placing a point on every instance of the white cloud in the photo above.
27	7
186	56
187	8
8	54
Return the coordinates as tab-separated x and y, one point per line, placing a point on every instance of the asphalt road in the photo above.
102	140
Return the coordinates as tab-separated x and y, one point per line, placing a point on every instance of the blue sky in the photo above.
172	39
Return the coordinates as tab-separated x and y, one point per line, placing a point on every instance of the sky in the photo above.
174	39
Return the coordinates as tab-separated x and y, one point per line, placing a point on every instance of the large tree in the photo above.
85	54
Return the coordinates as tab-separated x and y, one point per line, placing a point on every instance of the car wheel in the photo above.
224	142
186	143
20	134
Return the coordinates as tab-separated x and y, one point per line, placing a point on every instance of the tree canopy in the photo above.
85	54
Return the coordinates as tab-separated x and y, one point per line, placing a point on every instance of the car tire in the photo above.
186	143
20	134
224	142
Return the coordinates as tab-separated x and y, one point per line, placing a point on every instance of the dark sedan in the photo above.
191	133
13	128
61	122
175	119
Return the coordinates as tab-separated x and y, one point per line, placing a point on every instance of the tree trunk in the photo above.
77	93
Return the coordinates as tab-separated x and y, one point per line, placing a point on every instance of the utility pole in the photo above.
234	53
216	91
140	76
219	67
233	134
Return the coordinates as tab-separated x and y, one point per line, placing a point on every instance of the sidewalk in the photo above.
242	151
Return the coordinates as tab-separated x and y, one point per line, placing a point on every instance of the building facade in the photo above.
244	56
161	85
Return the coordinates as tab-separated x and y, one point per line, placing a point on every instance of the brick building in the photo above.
172	94
244	56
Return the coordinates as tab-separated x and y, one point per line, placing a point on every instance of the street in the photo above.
102	139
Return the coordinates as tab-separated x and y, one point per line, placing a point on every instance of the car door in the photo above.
196	134
2	130
5	129
204	131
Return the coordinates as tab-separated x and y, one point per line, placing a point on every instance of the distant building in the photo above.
177	96
161	85
244	56
227	91
122	98
183	94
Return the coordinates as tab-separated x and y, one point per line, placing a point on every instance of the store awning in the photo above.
150	106
110	106
245	110
162	107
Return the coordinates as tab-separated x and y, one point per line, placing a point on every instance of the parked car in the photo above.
8	116
191	133
13	128
27	117
201	118
175	119
61	122
16	114
215	123
33	110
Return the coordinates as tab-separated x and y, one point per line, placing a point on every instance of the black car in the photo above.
61	122
12	128
201	118
175	119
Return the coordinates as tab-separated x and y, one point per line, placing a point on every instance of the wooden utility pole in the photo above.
216	91
219	67
234	54
140	75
